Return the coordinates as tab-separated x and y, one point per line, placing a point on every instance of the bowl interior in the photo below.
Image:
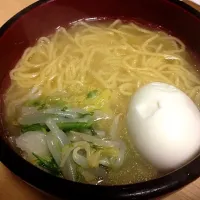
42	19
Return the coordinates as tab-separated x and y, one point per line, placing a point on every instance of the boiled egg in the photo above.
164	125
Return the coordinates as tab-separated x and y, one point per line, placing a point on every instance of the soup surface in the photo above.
67	103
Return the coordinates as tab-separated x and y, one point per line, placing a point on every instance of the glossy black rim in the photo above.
64	188
20	14
187	7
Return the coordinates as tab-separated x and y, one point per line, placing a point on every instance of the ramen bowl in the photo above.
41	19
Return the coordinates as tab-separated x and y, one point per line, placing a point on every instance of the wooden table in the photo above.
11	187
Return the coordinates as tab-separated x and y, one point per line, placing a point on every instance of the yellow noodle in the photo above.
120	57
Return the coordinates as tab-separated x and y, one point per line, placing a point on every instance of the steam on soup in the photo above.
69	95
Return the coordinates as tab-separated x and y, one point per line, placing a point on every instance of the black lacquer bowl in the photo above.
41	19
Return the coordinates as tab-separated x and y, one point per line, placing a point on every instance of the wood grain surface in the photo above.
11	187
